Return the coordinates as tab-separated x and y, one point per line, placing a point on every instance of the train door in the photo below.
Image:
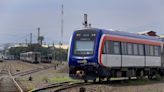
114	56
111	54
153	57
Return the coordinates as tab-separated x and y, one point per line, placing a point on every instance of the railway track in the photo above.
31	71
7	81
60	86
64	87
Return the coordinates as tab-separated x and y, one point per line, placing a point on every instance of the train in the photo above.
46	59
99	53
35	57
32	57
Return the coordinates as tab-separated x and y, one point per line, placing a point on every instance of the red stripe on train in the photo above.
132	40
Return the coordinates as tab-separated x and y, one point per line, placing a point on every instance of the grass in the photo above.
30	87
136	82
62	79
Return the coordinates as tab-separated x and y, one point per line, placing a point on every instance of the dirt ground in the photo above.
157	87
39	78
42	78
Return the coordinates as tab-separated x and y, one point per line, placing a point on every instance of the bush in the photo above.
157	77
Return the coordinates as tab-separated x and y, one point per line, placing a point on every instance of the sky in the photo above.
19	18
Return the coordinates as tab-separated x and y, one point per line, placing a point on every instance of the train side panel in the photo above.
133	61
153	61
111	60
142	57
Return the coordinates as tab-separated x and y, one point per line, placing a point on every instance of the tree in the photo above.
40	39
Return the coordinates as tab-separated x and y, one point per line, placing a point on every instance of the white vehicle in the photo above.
32	57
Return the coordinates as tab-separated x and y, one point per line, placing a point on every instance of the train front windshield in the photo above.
84	43
84	47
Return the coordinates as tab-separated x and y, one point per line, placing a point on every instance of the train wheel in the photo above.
108	79
86	81
100	79
140	74
94	80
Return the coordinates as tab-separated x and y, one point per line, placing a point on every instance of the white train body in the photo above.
32	57
103	53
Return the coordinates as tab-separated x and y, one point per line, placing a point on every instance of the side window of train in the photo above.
105	48
160	51
135	49
147	50
129	48
116	48
151	50
124	48
111	47
141	49
157	51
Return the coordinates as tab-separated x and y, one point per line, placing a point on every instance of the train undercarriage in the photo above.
92	72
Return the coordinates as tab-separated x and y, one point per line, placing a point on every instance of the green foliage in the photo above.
41	38
157	77
45	79
57	54
60	54
16	51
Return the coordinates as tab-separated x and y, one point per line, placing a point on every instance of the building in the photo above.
149	33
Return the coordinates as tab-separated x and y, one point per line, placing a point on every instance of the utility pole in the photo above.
62	22
26	41
61	42
38	35
30	38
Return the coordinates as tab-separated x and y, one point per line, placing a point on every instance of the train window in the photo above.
159	50
124	48
156	50
111	47
129	48
147	50
141	49
116	48
105	49
135	49
84	47
151	50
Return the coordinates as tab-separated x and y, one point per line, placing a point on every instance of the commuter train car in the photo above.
46	59
32	57
102	53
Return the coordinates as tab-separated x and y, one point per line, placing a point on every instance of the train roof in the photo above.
133	35
126	34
